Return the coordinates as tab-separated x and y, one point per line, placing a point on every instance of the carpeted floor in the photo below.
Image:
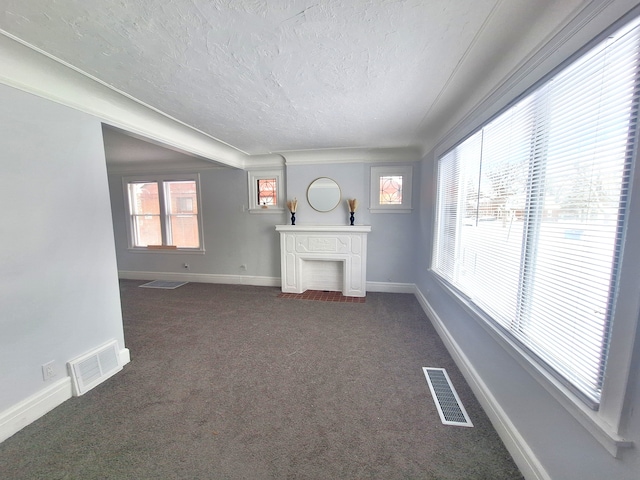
232	382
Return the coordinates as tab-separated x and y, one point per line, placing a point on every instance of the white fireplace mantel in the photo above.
306	249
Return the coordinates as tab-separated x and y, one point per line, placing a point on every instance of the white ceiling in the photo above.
289	75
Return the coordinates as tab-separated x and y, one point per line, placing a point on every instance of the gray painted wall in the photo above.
391	241
234	237
59	291
563	446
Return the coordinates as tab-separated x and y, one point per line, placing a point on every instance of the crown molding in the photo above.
173	167
594	18
352	155
34	71
270	160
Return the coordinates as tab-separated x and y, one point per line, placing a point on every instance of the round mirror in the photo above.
323	194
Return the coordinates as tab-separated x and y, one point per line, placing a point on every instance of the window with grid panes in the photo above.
163	211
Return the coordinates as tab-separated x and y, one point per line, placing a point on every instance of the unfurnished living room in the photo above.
320	239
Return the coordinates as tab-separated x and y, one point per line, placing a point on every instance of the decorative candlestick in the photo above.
293	206
353	205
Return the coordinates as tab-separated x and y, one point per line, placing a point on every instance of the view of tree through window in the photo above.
530	210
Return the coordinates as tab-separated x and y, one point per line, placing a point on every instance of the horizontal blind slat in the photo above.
528	213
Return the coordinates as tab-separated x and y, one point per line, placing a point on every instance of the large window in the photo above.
163	212
531	213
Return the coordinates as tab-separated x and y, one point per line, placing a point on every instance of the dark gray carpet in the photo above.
231	382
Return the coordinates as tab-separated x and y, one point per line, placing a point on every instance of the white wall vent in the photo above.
94	367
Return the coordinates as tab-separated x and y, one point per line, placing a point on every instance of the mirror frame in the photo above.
315	207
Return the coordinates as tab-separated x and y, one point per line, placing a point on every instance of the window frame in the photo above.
253	176
606	423
404	171
160	180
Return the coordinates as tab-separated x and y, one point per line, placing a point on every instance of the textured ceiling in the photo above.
295	74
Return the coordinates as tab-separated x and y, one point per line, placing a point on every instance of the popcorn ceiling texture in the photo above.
269	76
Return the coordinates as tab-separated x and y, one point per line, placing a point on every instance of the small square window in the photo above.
391	189
265	191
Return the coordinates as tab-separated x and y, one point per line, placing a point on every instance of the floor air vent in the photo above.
95	367
447	402
166	284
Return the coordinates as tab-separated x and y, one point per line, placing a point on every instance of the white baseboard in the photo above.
125	356
517	446
202	278
384	287
388	287
32	408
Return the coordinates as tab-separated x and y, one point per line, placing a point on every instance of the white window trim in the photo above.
607	424
595	422
161	178
259	174
406	172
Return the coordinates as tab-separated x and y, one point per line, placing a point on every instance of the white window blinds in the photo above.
531	207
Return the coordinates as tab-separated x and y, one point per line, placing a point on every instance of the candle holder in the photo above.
293	218
351	218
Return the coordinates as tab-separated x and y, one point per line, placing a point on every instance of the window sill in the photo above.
171	251
604	433
267	210
390	210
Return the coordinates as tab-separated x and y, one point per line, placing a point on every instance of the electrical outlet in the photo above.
49	371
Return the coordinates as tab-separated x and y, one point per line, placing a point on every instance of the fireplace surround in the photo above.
324	257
